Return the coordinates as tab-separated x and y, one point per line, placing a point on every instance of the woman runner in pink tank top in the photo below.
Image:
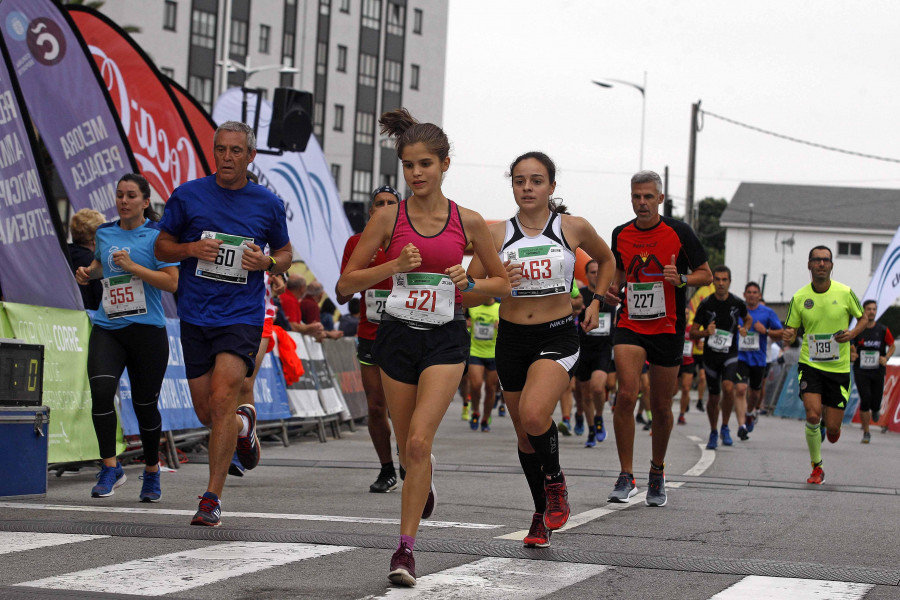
422	343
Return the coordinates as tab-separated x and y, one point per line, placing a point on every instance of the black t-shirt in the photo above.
873	338
594	340
727	314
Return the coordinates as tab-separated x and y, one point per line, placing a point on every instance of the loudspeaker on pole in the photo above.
292	122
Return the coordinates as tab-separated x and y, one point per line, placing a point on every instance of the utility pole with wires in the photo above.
692	163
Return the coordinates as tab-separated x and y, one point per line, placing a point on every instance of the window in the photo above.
286	80
321	58
393	72
345	6
338	117
238	45
417	21
362	185
849	249
371	14
203	29
265	33
336	175
201	88
170	73
342	59
169	14
325	7
414	77
390	180
878	251
368	69
365	128
319	118
287	49
396	19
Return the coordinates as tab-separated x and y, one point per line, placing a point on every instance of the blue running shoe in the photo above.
108	479
473	421
564	427
150	491
579	424
726	436
485	426
209	513
713	442
601	430
591	438
248	446
749	423
502	410
236	468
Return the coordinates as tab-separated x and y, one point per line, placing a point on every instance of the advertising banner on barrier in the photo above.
81	132
316	220
163	146
340	355
329	393
303	395
64	335
791	406
34	267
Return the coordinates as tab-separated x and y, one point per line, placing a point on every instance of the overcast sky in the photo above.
519	78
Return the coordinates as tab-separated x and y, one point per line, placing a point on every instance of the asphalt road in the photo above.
740	523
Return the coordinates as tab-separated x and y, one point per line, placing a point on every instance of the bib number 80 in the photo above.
420	299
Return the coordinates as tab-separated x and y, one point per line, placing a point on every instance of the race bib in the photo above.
422	298
483	331
868	359
720	341
646	301
688	348
375	301
542	270
227	266
604	325
749	343
823	347
123	296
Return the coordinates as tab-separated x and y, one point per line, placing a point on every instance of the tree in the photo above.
711	235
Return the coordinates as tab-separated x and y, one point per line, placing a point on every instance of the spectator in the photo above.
349	323
325	306
83	228
309	308
302	319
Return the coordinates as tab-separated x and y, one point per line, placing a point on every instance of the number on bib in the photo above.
646	301
123	296
823	347
227	265
868	359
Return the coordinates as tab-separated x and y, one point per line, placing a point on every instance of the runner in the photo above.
870	352
482	363
719	320
537	346
686	371
653	255
753	350
217	227
369	318
129	332
422	343
824	309
593	362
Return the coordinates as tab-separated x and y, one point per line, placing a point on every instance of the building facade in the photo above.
359	58
770	229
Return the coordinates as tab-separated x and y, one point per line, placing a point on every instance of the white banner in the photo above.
885	285
316	220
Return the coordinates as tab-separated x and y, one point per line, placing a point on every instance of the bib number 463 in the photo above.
421	300
537	269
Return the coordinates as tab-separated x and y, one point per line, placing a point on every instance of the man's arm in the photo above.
169	249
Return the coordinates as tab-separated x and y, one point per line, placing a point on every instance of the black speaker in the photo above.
292	114
356	214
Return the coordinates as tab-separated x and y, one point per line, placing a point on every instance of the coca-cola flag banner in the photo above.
317	223
69	107
34	268
164	148
198	121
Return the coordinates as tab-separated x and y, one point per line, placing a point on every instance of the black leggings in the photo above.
144	350
870	386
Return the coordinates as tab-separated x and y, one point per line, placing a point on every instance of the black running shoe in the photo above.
209	513
386	482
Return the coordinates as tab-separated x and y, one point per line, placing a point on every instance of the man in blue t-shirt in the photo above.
218	227
752	349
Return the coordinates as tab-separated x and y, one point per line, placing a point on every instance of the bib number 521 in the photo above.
421	300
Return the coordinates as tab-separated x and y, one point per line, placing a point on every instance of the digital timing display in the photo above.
21	373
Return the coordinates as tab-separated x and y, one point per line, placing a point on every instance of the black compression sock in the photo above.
534	474
547	447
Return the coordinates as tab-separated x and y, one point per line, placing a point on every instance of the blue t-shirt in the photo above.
139	243
251	212
765	315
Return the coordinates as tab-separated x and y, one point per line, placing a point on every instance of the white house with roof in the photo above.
770	229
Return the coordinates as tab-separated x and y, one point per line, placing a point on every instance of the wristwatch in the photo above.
471	285
683	280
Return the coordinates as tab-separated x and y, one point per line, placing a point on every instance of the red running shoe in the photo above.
209	513
538	536
403	567
557	512
248	446
818	475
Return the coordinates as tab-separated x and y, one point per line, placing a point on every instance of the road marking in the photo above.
244	515
707	457
786	588
11	541
590	515
179	571
498	579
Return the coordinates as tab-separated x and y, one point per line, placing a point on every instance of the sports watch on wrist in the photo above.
471	285
683	280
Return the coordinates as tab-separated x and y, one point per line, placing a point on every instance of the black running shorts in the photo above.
663	349
870	385
750	374
403	352
833	387
201	345
719	368
520	345
594	359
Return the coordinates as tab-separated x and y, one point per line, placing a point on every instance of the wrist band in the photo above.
272	266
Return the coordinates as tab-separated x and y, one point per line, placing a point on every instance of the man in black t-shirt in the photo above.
593	362
721	314
870	351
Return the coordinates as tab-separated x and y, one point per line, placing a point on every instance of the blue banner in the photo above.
791	406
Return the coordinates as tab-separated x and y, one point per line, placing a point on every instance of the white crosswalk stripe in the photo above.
19	542
785	588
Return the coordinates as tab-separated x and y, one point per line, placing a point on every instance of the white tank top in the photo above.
548	264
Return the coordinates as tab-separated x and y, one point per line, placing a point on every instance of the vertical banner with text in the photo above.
81	131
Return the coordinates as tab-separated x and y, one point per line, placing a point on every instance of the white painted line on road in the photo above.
14	541
590	515
707	457
498	579
179	571
786	588
244	515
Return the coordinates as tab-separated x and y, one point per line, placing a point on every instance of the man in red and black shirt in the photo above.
870	351
656	259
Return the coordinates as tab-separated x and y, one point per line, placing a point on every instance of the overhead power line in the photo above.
797	140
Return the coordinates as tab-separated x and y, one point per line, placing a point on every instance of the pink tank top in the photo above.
438	252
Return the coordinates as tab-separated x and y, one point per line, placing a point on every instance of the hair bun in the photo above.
395	122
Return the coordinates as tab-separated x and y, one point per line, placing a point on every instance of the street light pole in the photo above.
749	240
643	90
